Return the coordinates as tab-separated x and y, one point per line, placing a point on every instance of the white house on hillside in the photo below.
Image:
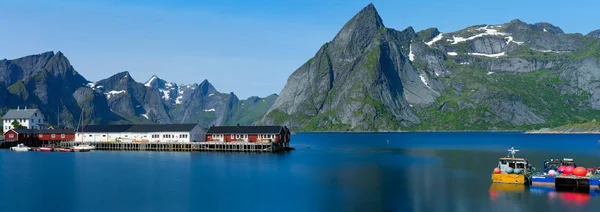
28	118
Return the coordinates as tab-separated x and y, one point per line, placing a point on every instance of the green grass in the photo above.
19	89
538	90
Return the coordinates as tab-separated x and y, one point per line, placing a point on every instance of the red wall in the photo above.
34	137
57	137
7	136
251	137
18	137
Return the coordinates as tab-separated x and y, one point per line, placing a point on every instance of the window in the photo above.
103	136
90	136
39	120
35	114
232	136
62	135
53	135
41	135
11	135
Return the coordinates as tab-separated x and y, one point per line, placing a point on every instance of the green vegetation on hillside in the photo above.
539	90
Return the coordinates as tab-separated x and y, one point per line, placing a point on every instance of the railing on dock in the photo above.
184	146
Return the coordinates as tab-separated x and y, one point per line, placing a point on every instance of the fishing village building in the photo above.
38	137
28	118
141	133
248	134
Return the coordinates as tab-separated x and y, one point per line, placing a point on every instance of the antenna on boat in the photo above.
512	151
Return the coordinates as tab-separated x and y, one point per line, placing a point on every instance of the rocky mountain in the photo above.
595	33
47	81
510	76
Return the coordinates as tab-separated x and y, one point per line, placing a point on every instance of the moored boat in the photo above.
46	149
84	147
20	148
512	170
565	174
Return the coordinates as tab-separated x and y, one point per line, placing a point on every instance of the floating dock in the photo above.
271	147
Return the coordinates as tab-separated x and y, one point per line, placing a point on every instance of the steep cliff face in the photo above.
359	81
505	76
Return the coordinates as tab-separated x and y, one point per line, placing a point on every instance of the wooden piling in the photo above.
272	147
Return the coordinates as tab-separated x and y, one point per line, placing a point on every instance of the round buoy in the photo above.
497	170
551	172
517	171
580	171
561	169
509	170
568	170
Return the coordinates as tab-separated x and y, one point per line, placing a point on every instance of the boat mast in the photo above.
512	152
81	121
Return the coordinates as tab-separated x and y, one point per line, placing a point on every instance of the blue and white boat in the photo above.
591	180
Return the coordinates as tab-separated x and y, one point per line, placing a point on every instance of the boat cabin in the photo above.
512	162
505	163
553	164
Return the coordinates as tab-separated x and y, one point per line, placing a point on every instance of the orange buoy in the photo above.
497	170
580	171
568	170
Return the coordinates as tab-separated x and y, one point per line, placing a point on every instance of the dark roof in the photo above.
30	131
161	128
56	131
138	128
105	128
20	114
22	131
245	129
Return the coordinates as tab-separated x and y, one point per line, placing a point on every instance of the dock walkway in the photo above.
184	146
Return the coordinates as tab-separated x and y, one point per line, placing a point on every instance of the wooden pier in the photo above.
185	146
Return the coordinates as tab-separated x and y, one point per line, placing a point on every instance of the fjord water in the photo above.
327	172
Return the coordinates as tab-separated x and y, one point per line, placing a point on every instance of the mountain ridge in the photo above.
475	78
48	81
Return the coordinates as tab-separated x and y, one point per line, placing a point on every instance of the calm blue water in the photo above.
327	172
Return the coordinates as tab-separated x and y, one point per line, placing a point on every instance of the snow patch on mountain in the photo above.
113	93
435	39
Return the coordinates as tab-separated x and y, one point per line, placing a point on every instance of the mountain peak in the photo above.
359	31
368	16
547	27
206	87
595	33
152	81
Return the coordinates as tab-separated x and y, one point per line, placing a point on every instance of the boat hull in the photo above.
566	181
547	181
19	149
84	148
44	149
509	178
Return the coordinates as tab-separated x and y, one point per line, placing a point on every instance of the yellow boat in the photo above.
507	188
512	170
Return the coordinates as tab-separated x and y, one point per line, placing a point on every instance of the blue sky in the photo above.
246	47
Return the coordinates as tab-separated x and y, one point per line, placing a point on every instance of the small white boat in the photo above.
20	148
84	147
